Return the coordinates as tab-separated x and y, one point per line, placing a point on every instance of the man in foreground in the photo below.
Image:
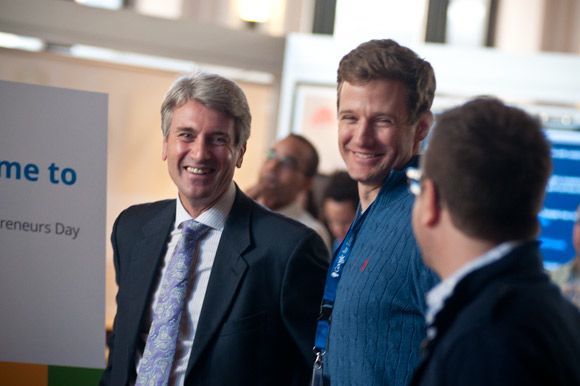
213	288
372	319
495	319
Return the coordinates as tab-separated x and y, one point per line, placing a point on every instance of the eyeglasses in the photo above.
414	177
287	162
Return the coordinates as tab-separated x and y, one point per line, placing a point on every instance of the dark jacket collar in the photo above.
524	261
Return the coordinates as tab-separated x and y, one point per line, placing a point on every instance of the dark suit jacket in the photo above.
258	317
505	324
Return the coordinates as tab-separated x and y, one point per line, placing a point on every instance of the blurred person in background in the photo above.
568	275
285	181
339	205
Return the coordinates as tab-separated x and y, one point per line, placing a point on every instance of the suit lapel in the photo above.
145	259
226	275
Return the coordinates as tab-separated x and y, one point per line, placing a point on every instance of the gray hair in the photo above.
213	91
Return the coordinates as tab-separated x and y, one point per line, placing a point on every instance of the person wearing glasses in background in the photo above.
371	323
495	319
286	177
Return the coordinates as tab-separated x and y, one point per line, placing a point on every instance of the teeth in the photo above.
196	170
365	155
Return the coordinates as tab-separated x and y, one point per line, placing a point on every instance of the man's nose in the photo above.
272	163
364	133
199	149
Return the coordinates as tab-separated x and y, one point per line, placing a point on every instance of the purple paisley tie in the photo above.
155	365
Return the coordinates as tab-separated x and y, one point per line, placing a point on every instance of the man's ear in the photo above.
423	125
164	149
431	210
240	159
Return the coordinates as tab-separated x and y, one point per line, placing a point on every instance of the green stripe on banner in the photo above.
73	376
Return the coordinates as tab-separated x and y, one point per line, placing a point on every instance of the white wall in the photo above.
520	25
404	21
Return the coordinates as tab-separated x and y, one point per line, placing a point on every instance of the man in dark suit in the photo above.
252	296
495	319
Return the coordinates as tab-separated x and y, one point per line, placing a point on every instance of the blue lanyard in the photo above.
339	260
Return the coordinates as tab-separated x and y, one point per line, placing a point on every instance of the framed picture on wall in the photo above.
314	117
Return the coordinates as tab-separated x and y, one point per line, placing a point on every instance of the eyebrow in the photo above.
377	115
215	130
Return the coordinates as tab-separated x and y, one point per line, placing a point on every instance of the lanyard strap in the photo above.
341	256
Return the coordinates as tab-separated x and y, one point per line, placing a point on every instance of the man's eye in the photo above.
384	121
289	163
348	118
185	135
220	140
271	154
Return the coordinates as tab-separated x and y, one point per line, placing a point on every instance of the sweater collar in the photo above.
395	176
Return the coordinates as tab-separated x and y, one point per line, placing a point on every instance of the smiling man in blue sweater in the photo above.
372	322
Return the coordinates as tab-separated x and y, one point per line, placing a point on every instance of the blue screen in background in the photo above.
562	198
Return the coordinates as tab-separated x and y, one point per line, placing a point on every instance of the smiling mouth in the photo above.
365	155
197	171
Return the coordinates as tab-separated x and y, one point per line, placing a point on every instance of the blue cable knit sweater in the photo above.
378	318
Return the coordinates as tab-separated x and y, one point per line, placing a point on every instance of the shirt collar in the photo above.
438	295
214	217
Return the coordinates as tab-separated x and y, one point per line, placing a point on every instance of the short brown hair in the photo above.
386	59
490	164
